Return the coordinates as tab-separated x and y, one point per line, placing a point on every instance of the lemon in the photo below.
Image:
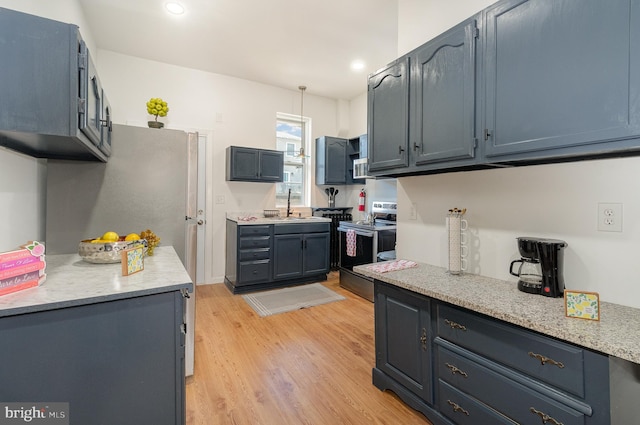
132	237
110	237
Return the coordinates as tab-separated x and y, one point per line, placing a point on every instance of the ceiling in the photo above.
284	43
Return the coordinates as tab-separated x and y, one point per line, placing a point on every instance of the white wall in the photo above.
22	199
557	201
422	20
230	111
22	178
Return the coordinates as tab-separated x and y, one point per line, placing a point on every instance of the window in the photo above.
296	171
291	149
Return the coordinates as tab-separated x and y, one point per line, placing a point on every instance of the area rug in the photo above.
282	300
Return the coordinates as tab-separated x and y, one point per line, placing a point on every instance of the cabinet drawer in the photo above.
253	272
254	230
512	399
465	410
300	228
257	242
546	359
254	254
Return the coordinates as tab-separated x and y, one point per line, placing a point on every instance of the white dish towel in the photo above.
351	243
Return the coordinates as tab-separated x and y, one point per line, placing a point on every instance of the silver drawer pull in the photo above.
457	408
544	360
455	325
455	370
545	418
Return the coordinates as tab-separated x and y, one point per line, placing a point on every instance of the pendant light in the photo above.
303	140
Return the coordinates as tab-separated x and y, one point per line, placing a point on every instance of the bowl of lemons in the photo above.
107	248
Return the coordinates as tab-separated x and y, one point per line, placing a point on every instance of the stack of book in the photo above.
23	268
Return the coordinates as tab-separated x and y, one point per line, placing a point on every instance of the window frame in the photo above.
298	121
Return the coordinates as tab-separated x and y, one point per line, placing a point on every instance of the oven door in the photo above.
366	242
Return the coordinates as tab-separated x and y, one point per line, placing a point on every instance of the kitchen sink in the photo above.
293	218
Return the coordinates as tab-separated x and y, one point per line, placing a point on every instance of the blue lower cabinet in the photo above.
465	410
264	256
512	399
457	366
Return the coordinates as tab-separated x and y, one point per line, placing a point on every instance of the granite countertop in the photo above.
617	333
255	218
71	281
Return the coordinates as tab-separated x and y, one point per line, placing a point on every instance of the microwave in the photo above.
361	168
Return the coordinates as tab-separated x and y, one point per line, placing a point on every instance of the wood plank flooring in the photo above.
311	366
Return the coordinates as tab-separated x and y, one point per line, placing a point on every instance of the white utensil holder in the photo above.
458	248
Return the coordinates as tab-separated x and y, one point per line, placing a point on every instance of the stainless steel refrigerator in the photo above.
149	182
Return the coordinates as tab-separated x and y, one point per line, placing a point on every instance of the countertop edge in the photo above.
93	300
616	334
72	282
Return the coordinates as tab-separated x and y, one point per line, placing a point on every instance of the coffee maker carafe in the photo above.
540	270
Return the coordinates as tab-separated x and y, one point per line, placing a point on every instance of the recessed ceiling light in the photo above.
175	8
357	65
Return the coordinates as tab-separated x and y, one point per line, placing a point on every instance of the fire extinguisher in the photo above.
361	200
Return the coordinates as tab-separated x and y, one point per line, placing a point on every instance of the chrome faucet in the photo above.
289	212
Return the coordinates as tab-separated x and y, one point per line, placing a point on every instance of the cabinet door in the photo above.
243	164
316	253
388	116
287	256
115	362
336	165
331	160
403	339
562	73
271	166
443	97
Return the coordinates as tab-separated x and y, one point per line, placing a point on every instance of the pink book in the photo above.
18	254
27	268
15	280
19	287
6	265
29	253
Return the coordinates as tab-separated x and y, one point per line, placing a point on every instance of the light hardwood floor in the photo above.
311	366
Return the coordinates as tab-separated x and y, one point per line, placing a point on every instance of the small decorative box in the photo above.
583	305
132	260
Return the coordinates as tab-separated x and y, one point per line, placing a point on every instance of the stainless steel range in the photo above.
364	242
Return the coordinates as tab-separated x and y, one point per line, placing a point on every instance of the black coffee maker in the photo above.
540	270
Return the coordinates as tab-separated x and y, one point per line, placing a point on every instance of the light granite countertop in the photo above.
258	218
71	281
617	333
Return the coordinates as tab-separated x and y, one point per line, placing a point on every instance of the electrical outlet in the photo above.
413	213
609	217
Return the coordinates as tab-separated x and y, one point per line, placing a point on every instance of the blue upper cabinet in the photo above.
521	82
388	116
443	87
254	165
52	104
562	78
